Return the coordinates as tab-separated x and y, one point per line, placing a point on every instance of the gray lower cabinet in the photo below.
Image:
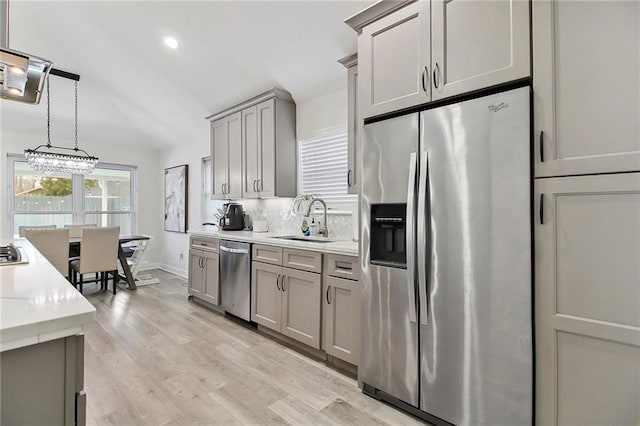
43	384
266	300
587	300
301	306
204	270
286	288
341	307
341	318
287	301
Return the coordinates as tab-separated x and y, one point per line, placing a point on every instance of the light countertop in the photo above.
37	303
344	247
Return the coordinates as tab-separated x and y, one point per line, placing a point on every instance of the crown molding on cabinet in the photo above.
374	12
269	94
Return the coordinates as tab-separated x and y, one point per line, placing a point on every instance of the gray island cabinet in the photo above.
42	317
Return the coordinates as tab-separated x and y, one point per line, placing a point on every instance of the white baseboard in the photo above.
144	266
179	272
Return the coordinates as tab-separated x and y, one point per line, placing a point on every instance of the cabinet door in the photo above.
393	57
588	300
341	318
353	133
477	44
266	297
220	155
586	68
251	152
196	278
234	131
267	149
211	290
301	306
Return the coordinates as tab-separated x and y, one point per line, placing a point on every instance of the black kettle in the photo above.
233	219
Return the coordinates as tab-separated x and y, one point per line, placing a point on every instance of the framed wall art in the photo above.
176	191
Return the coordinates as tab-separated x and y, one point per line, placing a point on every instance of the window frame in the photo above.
77	211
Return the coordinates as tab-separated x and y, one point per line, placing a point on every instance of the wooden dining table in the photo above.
123	239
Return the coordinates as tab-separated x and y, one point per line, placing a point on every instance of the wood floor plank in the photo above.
152	357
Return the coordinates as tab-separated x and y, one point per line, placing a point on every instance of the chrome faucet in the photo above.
324	231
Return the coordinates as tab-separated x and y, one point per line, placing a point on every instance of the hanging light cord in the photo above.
48	116
76	115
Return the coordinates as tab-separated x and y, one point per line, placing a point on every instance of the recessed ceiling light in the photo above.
171	42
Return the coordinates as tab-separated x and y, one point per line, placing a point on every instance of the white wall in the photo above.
322	115
175	254
150	172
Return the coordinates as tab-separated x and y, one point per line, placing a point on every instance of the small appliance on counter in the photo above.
260	226
233	218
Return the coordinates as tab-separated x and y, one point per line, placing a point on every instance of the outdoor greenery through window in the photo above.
105	197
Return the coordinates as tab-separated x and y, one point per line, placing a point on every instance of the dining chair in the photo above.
22	229
75	229
98	254
53	244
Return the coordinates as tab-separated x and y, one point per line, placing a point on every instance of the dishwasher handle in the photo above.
234	250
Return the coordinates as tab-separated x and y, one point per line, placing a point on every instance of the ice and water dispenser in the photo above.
388	236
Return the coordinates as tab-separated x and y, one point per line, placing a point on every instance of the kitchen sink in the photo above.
307	239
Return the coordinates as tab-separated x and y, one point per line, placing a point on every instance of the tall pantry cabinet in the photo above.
586	68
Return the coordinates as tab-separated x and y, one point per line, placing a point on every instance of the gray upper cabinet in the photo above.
354	141
477	44
410	53
393	57
586	87
226	152
266	145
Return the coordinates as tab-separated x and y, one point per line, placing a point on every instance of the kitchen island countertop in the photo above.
37	303
344	247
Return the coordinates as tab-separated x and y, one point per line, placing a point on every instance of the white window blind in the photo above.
322	170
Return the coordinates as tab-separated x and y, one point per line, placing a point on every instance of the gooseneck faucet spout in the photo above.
324	230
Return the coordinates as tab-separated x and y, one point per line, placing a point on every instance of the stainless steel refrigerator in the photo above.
446	261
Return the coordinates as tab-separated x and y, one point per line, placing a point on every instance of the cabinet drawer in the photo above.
267	254
210	244
302	259
342	266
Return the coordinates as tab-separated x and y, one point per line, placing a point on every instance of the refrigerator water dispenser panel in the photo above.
388	236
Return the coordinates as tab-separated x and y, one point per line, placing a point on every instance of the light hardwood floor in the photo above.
153	358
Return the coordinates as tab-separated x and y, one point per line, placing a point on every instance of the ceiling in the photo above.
134	90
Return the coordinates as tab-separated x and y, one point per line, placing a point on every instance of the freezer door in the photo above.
476	346
389	344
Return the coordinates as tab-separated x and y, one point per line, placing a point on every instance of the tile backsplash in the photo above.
278	212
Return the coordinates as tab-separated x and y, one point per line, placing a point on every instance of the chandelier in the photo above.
43	159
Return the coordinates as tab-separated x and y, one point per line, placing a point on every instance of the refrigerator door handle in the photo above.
423	188
410	233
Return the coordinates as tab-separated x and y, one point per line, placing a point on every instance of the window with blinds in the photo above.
322	170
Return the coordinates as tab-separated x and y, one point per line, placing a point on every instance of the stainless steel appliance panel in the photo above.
235	278
476	346
389	351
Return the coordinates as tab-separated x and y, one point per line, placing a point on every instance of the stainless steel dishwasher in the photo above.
235	278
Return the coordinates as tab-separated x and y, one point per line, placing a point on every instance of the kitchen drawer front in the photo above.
342	266
302	259
210	244
267	254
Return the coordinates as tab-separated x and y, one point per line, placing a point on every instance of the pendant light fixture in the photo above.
21	75
43	159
